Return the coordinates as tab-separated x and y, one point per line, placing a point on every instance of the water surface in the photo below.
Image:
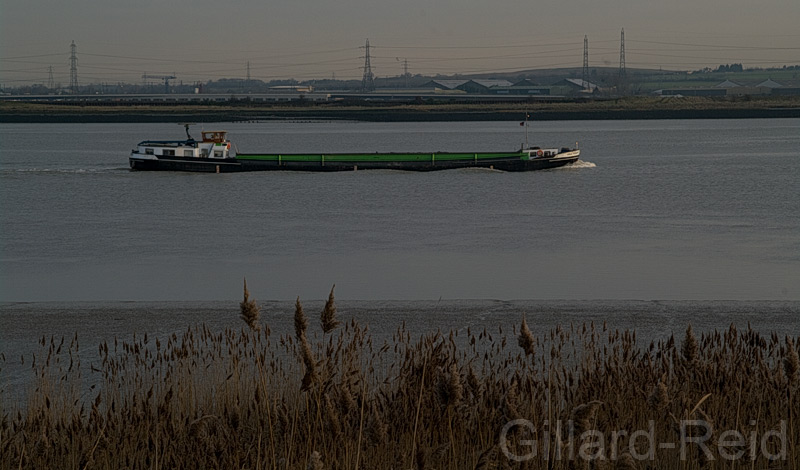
669	210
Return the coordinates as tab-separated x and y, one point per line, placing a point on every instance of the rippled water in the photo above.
680	210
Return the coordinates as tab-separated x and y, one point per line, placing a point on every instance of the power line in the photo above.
9	59
724	46
505	46
518	55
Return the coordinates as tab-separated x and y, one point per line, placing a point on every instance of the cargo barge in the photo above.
213	154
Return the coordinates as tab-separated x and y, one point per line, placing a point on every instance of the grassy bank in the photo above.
626	108
325	396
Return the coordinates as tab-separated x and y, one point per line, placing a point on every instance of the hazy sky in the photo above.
203	40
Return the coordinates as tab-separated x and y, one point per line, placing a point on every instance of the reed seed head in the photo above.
328	316
378	430
689	349
488	460
310	364
306	354
526	340
511	401
659	398
473	382
455	391
315	461
249	310
332	417
625	462
582	416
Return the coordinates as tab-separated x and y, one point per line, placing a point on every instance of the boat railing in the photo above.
168	143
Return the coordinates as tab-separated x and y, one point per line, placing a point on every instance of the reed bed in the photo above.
325	397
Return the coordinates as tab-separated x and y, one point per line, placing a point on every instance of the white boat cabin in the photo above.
213	145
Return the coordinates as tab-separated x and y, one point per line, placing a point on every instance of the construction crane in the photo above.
166	79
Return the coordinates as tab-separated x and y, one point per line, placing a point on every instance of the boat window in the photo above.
148	151
218	153
169	153
203	153
188	153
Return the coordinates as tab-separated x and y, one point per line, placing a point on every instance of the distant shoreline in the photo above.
622	109
386	116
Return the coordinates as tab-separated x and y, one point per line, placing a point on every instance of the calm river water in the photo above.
664	222
666	210
658	210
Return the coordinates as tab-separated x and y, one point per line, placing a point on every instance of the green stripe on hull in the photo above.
379	157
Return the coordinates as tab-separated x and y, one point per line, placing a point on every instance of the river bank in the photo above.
617	109
305	392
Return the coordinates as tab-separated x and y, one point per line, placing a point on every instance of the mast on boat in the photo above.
186	126
527	115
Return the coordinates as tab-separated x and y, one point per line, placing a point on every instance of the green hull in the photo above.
381	157
507	161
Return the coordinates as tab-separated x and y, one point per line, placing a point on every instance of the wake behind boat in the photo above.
213	154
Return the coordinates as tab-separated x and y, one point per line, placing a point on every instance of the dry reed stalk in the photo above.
791	363
300	320
268	405
291	440
360	429
419	405
249	310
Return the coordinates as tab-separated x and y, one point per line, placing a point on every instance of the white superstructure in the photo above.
214	145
